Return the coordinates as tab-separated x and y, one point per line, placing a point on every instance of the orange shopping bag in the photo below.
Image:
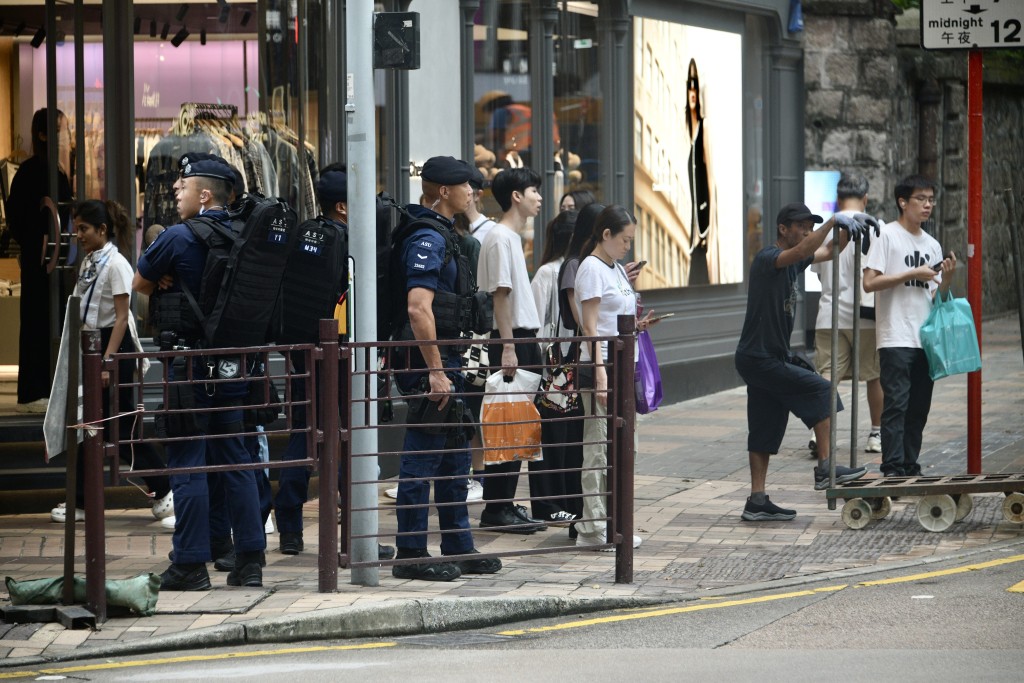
510	421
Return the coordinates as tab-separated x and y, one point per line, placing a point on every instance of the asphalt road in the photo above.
944	622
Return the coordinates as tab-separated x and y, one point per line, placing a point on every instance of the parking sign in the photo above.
971	24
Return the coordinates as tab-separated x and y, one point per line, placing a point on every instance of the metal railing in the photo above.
329	378
620	418
322	424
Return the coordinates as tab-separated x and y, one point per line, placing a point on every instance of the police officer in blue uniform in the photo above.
429	270
176	259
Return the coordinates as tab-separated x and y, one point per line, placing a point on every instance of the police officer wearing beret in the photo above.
446	191
293	483
177	257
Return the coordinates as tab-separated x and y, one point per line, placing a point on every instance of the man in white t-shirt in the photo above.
479	224
502	271
852	192
904	267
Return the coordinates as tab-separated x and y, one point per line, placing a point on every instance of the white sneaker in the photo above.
269	526
168	523
474	492
588	541
391	493
163	507
60	513
37	406
874	443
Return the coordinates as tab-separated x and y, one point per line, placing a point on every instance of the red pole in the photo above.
974	171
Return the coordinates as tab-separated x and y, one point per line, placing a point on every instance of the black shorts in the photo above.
775	389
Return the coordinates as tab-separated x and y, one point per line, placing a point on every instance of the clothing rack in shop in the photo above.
192	111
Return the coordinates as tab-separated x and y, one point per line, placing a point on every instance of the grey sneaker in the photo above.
843	475
766	512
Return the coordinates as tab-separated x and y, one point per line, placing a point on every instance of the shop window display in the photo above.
501	86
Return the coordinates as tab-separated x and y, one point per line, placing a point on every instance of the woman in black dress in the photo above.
703	218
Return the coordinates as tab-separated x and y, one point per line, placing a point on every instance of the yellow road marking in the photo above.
666	612
944	572
193	658
706	604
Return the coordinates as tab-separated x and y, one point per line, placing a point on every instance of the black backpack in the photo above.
314	281
392	313
244	267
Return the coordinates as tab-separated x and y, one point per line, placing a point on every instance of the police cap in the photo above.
447	171
208	166
332	187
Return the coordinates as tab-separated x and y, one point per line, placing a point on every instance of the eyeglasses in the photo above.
925	199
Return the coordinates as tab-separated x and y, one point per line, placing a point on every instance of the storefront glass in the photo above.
503	102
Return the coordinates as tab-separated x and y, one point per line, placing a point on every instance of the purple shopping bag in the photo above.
648	377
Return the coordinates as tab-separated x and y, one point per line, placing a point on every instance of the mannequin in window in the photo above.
703	202
29	226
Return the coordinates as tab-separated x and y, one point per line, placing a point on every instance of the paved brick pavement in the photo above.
691	482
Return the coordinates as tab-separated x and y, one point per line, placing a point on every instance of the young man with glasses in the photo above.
905	266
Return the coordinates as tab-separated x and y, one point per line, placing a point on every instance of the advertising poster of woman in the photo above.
688	155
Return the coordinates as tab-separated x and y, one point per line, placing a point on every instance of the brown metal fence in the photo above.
321	392
329	377
620	420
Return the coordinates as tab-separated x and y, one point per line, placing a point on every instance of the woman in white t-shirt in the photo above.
104	287
560	436
603	292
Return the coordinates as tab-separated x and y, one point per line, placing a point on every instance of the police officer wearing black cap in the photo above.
293	483
175	259
776	385
428	272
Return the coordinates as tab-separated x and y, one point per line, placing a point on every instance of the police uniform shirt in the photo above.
177	252
424	254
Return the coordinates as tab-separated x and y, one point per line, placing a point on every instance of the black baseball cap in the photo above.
797	212
477	182
447	171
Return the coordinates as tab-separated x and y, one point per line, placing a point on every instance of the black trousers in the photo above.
561	438
497	488
907	386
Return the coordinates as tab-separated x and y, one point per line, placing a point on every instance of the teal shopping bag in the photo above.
949	338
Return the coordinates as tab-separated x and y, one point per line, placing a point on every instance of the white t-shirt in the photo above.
104	274
901	310
596	279
545	294
502	264
824	271
480	227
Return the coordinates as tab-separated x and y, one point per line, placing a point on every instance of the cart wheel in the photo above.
880	507
936	513
856	513
964	505
1013	508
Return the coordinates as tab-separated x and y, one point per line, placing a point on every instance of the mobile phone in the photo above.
938	266
640	265
662	317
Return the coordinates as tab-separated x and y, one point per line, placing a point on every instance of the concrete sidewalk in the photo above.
691	483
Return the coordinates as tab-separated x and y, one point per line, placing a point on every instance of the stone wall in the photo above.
879	104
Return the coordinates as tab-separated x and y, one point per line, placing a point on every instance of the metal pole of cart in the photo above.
855	351
834	393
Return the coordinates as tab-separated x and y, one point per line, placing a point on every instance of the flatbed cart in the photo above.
943	500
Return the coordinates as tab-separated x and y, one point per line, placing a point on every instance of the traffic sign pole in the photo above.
974	199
